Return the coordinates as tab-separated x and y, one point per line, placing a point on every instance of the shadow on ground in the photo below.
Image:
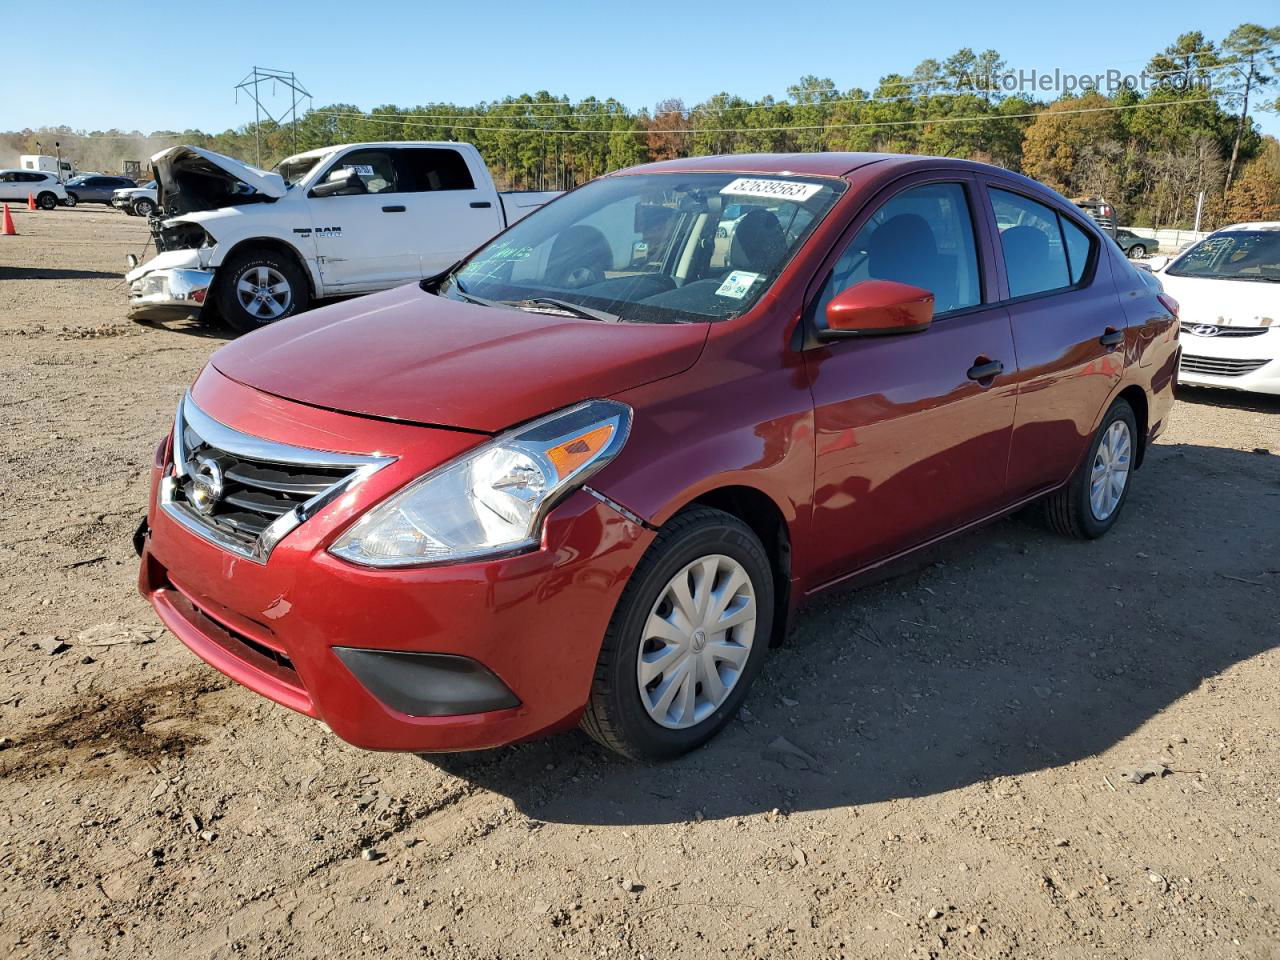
56	273
1232	399
1007	651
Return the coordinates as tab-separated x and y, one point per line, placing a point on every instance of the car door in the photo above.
449	214
364	238
912	430
1068	329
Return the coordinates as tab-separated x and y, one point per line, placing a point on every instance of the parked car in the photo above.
41	184
94	188
1136	247
259	246
552	486
137	201
1229	287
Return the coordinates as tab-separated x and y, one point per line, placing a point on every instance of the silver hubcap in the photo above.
1110	472
264	293
696	641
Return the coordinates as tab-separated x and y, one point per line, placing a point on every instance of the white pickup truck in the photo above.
257	246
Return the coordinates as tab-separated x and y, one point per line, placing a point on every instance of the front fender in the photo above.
677	454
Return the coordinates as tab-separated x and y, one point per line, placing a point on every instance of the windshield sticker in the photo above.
737	284
362	169
773	189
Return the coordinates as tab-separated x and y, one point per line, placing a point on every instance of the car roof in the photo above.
321	151
43	173
811	164
816	164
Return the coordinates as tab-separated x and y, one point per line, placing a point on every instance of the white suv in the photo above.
19	184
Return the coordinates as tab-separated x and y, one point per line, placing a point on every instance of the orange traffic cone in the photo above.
6	229
31	201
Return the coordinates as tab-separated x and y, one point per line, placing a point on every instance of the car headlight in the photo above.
492	499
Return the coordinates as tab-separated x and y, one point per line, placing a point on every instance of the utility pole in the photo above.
251	83
1199	209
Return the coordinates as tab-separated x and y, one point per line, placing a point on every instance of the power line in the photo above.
979	118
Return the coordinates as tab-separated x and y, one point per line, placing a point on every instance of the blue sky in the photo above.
93	74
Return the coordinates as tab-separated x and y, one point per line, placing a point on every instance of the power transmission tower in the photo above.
251	83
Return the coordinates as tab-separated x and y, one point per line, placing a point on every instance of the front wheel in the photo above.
47	200
259	287
1090	504
687	638
143	207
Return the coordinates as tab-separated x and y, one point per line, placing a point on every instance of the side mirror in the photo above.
1156	263
877	308
131	259
350	184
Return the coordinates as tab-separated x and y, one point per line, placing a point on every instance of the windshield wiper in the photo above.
578	309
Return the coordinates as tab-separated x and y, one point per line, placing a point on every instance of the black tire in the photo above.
1136	251
237	317
47	200
143	207
1068	510
615	715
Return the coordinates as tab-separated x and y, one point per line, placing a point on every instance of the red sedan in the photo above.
589	474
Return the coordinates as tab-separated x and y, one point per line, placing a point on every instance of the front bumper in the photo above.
1229	361
286	629
169	294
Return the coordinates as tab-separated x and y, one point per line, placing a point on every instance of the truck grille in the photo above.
245	494
1220	366
1202	330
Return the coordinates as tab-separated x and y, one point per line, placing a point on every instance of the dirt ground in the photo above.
966	728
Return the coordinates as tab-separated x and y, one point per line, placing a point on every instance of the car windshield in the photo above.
293	169
650	248
1232	255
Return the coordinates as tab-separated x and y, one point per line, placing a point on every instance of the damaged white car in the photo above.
256	246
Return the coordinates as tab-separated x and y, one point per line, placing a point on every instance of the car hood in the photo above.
409	355
1240	303
192	178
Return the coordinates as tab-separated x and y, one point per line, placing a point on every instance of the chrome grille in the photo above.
245	494
1220	331
1220	366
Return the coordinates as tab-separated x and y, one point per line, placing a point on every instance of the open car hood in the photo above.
190	179
409	355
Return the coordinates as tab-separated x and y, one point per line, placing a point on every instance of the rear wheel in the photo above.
1090	504
47	200
687	639
258	287
1137	251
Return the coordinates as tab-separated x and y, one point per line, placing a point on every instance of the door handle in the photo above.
984	369
1112	338
398	208
480	205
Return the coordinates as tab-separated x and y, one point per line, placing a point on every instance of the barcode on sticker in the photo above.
774	189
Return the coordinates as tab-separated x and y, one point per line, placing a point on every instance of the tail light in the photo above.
1169	303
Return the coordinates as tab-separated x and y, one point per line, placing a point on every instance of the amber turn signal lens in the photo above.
569	456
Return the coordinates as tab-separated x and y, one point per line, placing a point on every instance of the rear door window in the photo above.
425	169
1043	251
